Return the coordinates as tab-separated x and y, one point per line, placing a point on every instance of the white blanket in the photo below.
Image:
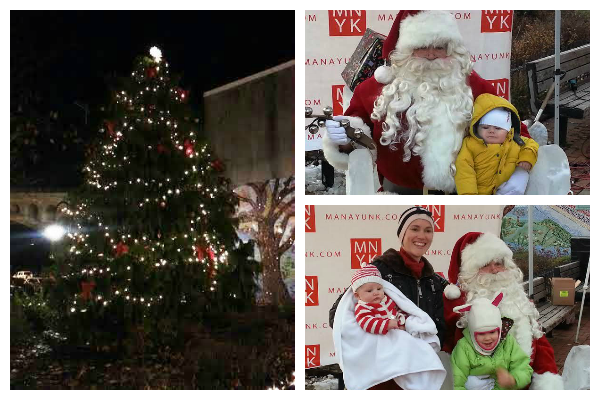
409	357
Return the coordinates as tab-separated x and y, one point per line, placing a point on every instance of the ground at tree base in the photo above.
220	361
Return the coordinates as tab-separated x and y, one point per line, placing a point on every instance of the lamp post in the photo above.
55	233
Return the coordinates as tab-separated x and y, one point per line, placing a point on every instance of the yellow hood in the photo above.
487	102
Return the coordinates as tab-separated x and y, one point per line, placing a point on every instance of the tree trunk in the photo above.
274	290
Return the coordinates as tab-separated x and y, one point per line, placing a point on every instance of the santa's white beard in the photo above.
515	304
437	103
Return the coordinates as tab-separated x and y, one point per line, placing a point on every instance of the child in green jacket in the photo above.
487	357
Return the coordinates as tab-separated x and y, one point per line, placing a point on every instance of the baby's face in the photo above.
370	293
487	340
492	134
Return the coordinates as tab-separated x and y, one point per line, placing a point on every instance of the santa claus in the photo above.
417	108
481	265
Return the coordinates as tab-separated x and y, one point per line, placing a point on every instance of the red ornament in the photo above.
110	127
161	148
218	165
86	290
121	249
199	252
189	148
150	72
211	254
183	95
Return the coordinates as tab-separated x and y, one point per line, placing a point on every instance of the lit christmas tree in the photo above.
152	243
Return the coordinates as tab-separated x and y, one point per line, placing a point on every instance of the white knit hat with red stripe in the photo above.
367	273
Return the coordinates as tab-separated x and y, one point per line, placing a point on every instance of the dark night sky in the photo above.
66	57
75	49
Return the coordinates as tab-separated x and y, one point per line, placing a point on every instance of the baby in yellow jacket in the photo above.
494	158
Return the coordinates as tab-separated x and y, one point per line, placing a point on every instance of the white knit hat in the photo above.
499	117
483	317
367	273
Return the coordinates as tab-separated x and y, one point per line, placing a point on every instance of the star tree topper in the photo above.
156	54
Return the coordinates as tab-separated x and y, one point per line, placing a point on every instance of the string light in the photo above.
111	158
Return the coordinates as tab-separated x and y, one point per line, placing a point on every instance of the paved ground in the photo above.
563	336
577	149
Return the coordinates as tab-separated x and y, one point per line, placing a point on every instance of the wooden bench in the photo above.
575	63
550	315
571	270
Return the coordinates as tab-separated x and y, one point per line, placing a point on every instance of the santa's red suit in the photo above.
433	167
471	252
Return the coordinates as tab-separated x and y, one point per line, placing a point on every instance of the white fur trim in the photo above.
452	292
546	381
332	151
486	248
427	28
440	148
383	74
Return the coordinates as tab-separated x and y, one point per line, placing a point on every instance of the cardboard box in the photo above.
563	291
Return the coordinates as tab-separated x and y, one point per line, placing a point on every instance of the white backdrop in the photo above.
332	36
339	238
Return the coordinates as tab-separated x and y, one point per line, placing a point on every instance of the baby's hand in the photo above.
525	165
393	324
504	378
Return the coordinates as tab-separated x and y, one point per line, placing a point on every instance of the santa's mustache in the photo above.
497	278
418	66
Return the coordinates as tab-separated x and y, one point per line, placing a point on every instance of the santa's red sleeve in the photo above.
357	107
453	334
479	86
545	372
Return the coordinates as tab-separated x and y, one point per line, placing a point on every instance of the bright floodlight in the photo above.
156	53
54	232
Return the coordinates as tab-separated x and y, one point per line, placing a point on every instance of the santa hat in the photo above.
415	29
367	273
483	317
471	252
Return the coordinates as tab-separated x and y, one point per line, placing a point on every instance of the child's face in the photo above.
370	293
487	340
492	134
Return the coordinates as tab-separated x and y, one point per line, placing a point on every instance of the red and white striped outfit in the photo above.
375	318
